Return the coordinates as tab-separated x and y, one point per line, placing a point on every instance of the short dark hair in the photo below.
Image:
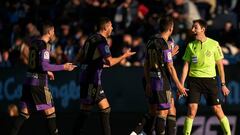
46	27
102	22
165	23
201	22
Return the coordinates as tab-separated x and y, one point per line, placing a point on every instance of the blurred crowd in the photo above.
134	21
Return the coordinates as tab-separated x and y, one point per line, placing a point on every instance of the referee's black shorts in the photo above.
206	86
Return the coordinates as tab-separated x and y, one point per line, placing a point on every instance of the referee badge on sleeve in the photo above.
194	59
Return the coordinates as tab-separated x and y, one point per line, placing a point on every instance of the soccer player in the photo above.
36	94
170	128
157	68
94	55
200	58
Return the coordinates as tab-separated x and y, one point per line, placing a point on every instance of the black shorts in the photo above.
162	99
161	93
36	97
91	94
206	86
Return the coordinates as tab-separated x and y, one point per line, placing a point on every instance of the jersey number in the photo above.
32	59
153	58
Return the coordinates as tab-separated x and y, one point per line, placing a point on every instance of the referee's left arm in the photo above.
222	77
221	70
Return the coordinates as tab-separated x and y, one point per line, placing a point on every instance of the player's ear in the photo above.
105	27
204	29
48	32
170	29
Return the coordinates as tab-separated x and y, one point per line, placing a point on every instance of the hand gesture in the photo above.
128	53
50	75
225	91
69	66
175	50
182	92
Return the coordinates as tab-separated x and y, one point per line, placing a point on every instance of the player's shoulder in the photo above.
212	41
96	37
157	41
157	38
38	43
193	42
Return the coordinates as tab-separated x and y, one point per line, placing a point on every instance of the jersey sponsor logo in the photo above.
46	55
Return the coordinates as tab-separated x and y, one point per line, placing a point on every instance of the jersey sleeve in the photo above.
167	52
218	53
46	66
187	54
104	50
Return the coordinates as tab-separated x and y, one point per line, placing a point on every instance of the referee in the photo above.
201	57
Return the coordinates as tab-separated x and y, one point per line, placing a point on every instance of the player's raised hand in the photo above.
69	66
175	50
128	53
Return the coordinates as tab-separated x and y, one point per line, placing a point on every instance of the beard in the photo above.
52	39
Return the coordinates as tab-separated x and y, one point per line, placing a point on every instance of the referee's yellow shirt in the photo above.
202	57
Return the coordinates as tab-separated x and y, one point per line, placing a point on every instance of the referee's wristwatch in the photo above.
223	84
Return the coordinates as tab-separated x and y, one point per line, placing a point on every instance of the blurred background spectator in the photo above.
4	61
12	110
134	22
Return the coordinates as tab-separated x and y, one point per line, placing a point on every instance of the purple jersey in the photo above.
39	63
157	55
94	51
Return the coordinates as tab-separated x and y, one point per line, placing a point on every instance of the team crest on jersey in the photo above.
107	50
46	55
208	53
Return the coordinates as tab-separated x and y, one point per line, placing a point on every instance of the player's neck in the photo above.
103	34
165	36
45	38
202	38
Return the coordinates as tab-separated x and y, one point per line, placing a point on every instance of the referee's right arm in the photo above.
186	58
184	72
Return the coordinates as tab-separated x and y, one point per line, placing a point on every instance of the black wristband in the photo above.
223	84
